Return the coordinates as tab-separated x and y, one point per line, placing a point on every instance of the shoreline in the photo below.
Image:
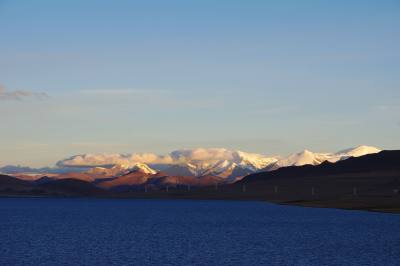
341	205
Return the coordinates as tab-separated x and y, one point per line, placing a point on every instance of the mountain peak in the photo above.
359	151
201	161
144	168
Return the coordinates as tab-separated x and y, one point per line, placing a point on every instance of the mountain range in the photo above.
202	167
367	182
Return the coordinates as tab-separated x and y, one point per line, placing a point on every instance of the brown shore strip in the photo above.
365	202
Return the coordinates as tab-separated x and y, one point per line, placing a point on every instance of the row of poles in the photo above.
188	187
276	189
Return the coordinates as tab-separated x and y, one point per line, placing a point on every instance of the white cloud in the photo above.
202	155
115	158
20	94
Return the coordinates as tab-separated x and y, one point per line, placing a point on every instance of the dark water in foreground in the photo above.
153	232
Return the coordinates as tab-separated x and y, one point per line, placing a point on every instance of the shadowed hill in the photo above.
71	187
46	186
11	183
384	161
369	182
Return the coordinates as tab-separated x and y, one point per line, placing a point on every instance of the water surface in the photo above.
46	231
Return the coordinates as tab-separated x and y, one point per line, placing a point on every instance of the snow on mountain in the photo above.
252	161
201	161
191	162
301	158
358	151
143	168
230	171
180	170
206	161
120	169
308	157
217	162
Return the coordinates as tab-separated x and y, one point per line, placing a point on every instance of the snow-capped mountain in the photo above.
357	151
116	170
143	168
228	170
185	162
301	158
253	161
308	157
120	169
183	169
225	163
231	159
220	162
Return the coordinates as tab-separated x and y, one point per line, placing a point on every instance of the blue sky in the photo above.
271	77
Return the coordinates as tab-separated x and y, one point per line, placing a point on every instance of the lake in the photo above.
50	231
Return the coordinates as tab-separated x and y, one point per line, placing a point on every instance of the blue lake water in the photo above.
45	231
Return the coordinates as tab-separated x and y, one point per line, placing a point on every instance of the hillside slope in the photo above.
369	182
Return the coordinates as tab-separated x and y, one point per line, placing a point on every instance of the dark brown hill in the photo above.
11	183
71	187
384	161
368	182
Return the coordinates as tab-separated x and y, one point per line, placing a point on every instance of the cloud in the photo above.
115	158
18	95
203	155
208	158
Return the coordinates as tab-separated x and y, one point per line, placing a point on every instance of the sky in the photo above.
271	77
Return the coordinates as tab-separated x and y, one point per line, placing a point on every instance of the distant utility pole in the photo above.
244	188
